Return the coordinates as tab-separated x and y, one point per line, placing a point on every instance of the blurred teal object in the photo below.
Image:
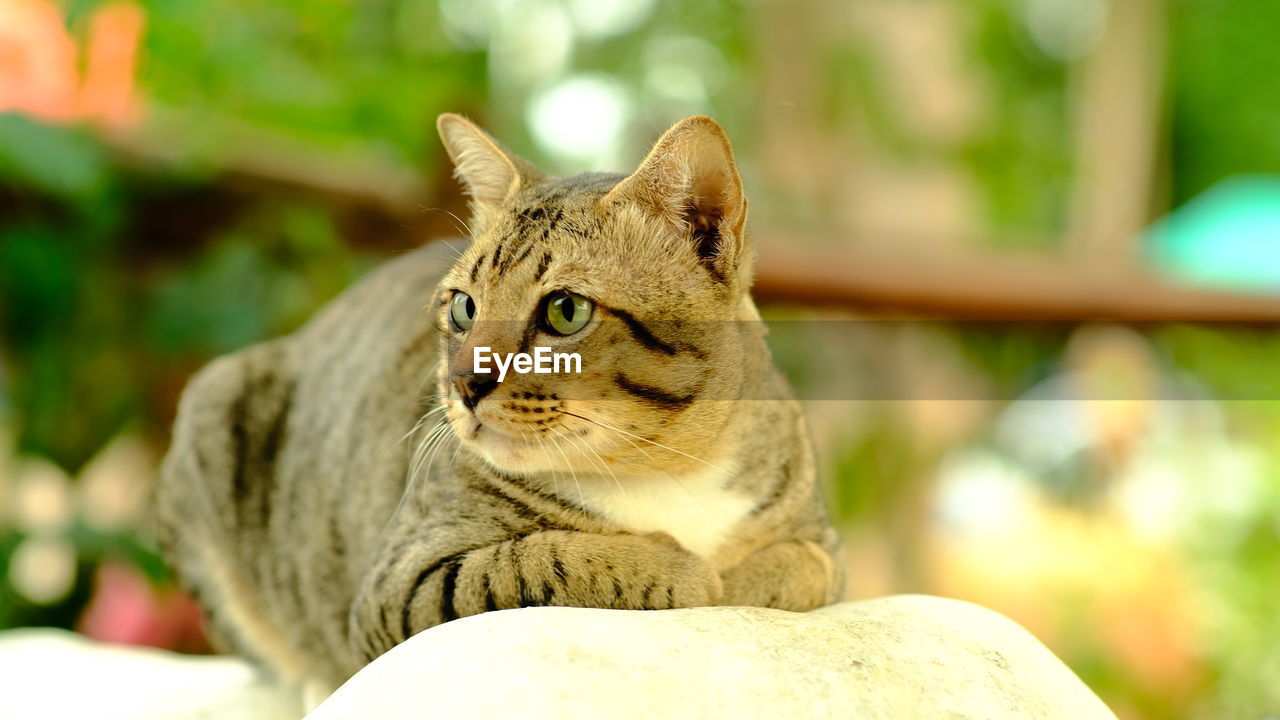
1228	237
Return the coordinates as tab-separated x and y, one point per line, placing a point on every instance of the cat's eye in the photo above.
567	313
462	311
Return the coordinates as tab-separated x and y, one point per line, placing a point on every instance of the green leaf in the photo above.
66	162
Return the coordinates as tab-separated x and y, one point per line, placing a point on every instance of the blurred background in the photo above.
1022	258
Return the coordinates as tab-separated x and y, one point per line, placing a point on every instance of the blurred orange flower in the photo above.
38	63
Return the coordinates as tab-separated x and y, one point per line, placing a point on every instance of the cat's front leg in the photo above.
578	569
552	567
793	575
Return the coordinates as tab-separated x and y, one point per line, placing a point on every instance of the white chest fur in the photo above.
696	510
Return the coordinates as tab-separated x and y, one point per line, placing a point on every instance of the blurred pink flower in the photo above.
126	608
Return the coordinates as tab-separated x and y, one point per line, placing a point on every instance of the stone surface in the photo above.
57	674
898	657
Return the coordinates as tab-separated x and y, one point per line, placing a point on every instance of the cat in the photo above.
331	493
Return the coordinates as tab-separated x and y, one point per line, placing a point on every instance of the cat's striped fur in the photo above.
328	494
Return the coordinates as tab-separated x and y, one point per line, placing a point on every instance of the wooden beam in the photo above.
994	287
365	173
1116	105
1002	286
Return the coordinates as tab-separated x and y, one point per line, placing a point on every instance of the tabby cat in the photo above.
331	493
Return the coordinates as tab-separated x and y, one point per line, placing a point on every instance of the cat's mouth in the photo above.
509	451
516	441
529	416
516	430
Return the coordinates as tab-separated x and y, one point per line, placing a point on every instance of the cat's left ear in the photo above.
491	174
690	179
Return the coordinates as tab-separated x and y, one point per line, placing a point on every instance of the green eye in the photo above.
567	313
463	311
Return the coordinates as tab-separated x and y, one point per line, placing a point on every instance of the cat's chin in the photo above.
504	451
518	454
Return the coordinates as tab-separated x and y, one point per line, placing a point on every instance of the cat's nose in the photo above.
473	386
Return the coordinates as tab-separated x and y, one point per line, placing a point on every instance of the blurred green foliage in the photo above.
1023	156
1222	101
99	326
327	72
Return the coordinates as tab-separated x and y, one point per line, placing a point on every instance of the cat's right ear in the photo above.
490	174
689	179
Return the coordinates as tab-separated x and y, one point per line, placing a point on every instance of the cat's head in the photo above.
644	278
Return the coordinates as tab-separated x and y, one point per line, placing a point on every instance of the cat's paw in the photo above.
690	580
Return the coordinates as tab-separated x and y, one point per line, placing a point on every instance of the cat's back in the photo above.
289	455
364	369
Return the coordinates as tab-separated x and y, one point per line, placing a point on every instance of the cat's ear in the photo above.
490	174
690	179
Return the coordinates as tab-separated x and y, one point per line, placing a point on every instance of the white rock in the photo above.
898	657
57	674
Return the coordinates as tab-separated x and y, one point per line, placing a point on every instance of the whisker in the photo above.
677	480
639	449
384	449
429	376
433	438
449	245
555	479
599	460
422	421
459	223
626	439
453	460
572	472
651	442
420	455
446	436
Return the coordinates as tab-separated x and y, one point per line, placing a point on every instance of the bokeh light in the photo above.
582	120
